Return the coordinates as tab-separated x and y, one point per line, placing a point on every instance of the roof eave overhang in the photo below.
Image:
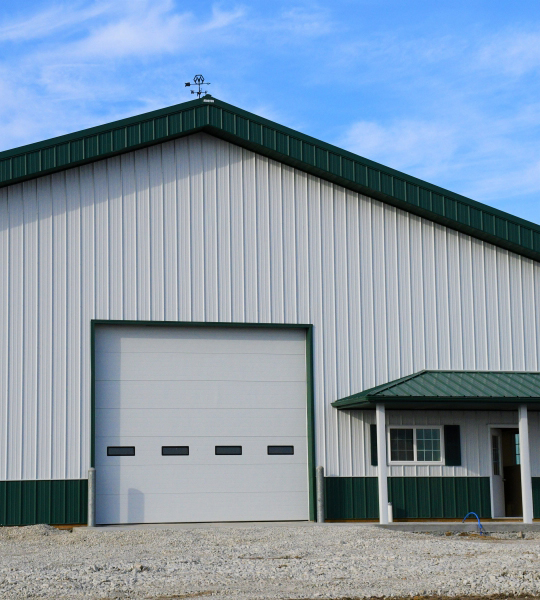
282	144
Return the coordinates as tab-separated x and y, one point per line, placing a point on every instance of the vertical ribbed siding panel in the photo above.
183	243
45	329
277	305
210	236
249	192
87	307
262	218
114	237
237	235
529	306
342	325
141	209
30	331
157	235
171	243
15	374
417	315
315	292
223	176
199	229
73	319
59	337
100	235
129	234
4	332
354	359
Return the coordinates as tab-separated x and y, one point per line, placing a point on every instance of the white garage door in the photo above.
200	424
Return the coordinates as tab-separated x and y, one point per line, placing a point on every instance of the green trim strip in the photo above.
351	498
282	144
55	502
309	381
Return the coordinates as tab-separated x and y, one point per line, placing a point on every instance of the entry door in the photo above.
200	424
497	477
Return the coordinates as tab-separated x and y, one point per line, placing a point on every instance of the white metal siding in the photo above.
199	229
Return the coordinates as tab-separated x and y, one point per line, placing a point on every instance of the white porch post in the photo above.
381	463
525	456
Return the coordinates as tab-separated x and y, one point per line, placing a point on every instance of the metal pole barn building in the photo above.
204	306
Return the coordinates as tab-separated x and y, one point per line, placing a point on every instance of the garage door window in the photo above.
280	450
120	450
228	450
175	450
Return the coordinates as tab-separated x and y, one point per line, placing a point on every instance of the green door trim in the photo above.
309	380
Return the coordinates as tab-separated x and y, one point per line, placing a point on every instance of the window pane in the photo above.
401	445
428	445
516	445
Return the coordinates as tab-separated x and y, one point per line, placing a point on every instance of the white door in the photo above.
200	424
497	478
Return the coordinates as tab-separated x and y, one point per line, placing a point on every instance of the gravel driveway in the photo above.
312	561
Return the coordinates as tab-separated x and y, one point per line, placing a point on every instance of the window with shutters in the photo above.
415	445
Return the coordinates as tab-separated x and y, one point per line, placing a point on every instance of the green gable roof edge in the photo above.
282	144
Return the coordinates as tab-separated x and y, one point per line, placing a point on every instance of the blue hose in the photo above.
481	530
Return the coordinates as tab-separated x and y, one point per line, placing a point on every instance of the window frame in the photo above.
414	462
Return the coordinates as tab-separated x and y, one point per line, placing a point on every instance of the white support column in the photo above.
525	456
381	463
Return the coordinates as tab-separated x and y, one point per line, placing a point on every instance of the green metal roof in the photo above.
451	389
280	143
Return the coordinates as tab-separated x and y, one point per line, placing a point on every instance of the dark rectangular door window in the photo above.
228	450
280	449
120	450
175	450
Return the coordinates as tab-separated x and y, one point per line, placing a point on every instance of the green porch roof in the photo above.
282	144
451	389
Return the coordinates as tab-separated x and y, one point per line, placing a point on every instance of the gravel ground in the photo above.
328	561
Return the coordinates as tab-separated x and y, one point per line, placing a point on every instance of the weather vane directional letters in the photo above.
197	80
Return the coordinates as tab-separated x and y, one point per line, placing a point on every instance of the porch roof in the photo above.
462	390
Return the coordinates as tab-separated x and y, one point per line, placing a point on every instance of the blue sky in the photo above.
446	91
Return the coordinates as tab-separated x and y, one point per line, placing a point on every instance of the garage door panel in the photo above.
199	367
201	388
199	340
201	450
200	394
162	508
193	422
179	479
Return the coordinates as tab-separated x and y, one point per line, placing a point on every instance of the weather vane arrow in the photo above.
197	80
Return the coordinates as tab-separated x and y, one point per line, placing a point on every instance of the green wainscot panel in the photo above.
411	497
55	502
439	497
536	497
351	498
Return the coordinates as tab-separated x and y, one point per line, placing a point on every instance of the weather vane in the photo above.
197	80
